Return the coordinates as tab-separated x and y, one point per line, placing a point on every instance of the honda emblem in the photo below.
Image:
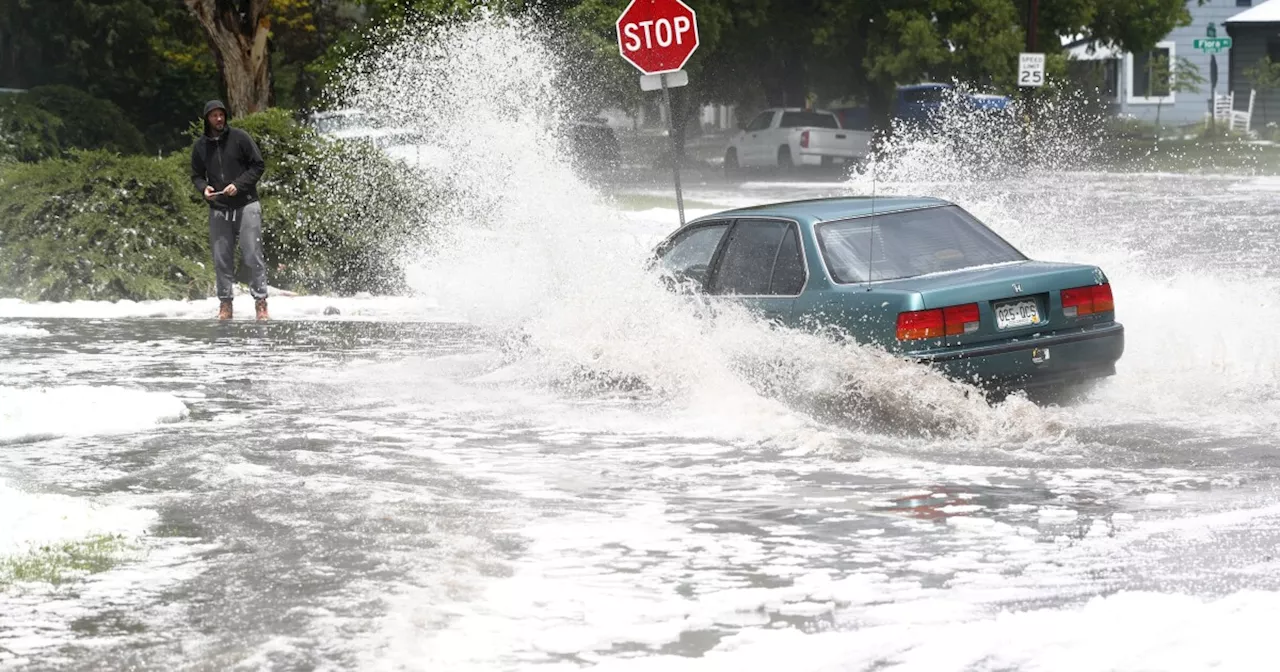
1017	289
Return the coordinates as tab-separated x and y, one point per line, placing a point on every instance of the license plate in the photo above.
1017	314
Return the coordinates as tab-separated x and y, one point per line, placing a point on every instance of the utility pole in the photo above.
1033	9
1033	24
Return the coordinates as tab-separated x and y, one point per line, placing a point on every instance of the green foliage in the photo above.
100	226
1265	77
87	122
96	225
136	53
334	214
27	133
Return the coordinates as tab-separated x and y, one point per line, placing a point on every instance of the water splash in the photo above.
534	251
1190	261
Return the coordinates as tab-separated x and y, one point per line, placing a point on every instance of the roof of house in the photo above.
827	209
1267	12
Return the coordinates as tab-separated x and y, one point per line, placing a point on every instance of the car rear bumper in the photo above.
1034	362
827	157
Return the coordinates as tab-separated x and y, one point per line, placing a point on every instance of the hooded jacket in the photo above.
229	157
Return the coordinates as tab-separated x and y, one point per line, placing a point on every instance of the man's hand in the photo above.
209	193
230	190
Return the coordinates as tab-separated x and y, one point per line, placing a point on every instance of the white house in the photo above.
1128	82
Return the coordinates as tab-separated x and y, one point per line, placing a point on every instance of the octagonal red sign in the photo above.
657	36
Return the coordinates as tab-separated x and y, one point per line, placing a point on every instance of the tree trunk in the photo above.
880	96
237	31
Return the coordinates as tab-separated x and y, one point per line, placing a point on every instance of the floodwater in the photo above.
541	460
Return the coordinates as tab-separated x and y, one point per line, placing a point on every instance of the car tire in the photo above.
731	168
786	166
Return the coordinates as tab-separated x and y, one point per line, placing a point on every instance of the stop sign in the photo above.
657	36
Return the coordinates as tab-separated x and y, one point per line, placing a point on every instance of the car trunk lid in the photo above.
1014	300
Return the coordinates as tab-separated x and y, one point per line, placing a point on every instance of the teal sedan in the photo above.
920	277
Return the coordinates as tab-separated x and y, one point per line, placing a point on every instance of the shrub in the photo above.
335	214
27	133
100	226
87	122
96	225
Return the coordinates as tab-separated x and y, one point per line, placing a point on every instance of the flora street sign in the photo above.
1211	44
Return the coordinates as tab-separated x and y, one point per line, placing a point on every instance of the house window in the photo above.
1149	74
1244	3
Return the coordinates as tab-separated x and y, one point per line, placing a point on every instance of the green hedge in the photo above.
97	225
27	133
87	122
101	226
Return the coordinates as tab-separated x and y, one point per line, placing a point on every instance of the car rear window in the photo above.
906	244
810	119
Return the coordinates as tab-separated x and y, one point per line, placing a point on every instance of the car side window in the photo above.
688	256
788	270
746	268
761	122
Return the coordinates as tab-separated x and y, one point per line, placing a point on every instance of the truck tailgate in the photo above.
833	142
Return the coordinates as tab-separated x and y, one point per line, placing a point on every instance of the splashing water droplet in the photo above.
532	250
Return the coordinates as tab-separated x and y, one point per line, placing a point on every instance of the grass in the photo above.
1194	156
626	201
61	563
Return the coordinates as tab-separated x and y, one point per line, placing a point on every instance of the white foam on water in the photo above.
361	307
38	619
32	414
31	520
16	331
1130	631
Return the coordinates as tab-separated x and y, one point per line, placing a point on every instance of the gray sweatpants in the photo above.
225	227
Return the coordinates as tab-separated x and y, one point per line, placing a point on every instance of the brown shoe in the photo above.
224	309
260	306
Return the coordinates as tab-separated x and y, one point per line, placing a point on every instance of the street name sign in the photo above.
1212	45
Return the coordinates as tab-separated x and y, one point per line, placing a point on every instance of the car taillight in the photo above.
916	325
804	138
1102	301
1087	300
959	320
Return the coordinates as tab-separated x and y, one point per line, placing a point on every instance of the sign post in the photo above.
1212	44
658	37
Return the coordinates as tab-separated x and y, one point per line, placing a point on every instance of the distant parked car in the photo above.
785	138
922	105
405	144
920	277
591	145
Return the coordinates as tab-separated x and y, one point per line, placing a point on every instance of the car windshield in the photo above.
906	244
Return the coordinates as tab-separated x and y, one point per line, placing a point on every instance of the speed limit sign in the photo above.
1030	69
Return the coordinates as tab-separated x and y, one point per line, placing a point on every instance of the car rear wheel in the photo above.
785	165
731	168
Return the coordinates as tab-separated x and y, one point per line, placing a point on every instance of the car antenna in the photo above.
871	230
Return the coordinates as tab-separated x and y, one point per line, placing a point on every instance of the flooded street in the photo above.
541	459
396	487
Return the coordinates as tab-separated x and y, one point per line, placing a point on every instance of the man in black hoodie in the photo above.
225	168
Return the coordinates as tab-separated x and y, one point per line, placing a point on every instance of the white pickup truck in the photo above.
787	137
